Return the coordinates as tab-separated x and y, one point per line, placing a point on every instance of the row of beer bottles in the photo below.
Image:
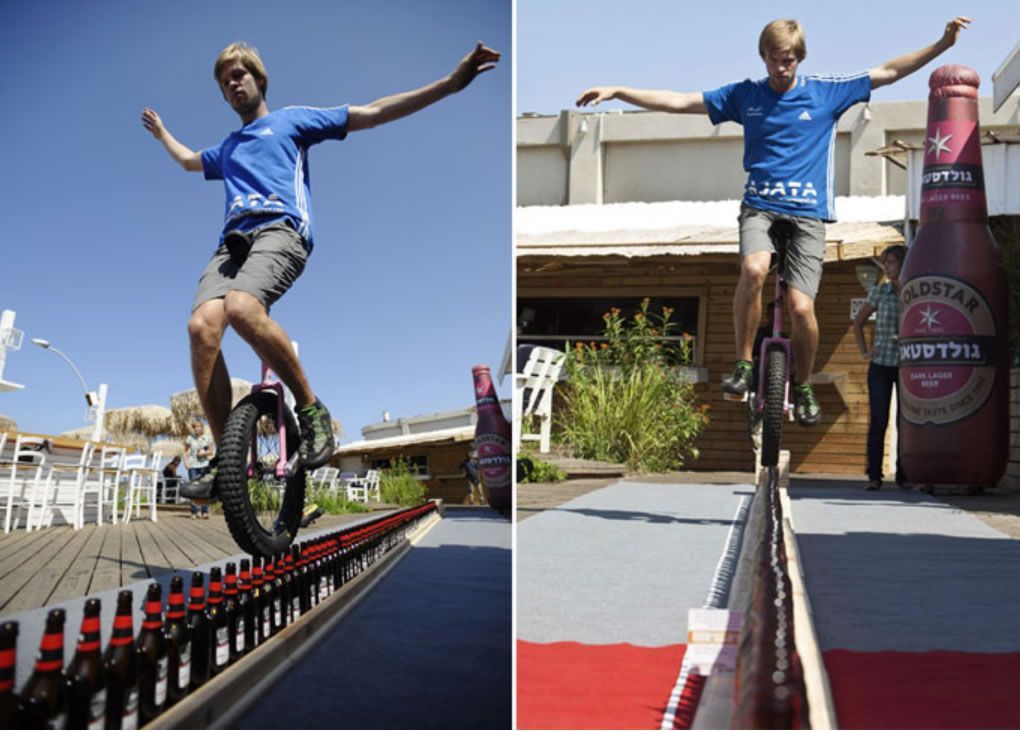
136	678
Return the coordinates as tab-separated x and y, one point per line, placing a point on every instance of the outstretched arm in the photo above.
657	101
389	108
896	69
184	156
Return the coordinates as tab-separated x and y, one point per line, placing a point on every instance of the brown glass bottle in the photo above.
86	677
246	606
201	632
8	665
493	441
272	589
263	623
153	659
219	630
43	701
235	619
121	664
178	637
954	309
298	588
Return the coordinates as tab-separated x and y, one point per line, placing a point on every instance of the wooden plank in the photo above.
42	584
194	543
132	562
17	579
211	539
78	578
164	536
155	560
107	573
17	543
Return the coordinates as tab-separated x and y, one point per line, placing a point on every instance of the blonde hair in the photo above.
783	35
248	56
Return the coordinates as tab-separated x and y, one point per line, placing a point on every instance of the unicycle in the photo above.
261	479
770	402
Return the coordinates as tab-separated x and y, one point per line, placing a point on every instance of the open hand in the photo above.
953	28
480	60
152	122
591	97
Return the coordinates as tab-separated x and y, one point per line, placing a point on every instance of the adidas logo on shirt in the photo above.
805	116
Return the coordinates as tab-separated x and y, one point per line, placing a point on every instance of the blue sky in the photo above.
566	46
105	237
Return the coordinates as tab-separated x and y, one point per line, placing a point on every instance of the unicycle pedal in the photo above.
734	397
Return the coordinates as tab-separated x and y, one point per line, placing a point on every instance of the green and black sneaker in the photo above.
202	487
316	435
806	408
738	383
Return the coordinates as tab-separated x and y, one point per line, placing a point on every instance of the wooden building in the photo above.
600	254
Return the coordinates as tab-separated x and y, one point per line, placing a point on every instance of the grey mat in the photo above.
428	647
897	570
622	564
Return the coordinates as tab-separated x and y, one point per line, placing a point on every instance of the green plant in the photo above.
544	471
333	503
625	400
400	486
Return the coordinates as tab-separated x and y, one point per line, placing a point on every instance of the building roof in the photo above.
690	228
439	436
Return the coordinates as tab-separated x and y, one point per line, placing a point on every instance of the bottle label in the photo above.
322	589
162	673
267	627
947	350
97	710
60	721
184	668
222	647
129	719
952	165
239	637
277	612
295	607
494	460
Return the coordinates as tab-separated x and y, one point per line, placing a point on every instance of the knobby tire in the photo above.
232	478
775	397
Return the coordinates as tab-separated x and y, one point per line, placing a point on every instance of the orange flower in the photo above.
639	317
604	346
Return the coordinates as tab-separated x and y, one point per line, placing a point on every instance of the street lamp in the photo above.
93	399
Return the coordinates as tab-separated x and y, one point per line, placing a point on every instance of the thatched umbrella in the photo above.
168	447
185	405
149	420
7	423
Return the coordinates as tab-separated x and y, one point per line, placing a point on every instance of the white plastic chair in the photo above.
533	394
26	468
103	481
143	474
55	496
372	488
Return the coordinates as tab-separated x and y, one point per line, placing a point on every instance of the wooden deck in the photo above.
56	564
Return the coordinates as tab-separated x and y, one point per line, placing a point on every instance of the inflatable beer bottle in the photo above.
493	442
954	309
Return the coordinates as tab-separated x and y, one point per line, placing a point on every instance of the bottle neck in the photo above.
952	182
153	614
123	628
89	640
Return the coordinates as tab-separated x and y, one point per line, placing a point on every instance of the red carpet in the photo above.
567	685
925	690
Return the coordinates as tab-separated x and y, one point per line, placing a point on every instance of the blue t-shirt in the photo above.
264	167
790	139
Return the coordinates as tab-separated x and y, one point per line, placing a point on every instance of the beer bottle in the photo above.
493	441
954	306
283	582
201	632
235	620
298	591
219	629
8	665
263	623
86	677
153	660
272	589
247	609
121	664
43	701
178	637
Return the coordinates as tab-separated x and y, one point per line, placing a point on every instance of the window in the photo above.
418	464
555	321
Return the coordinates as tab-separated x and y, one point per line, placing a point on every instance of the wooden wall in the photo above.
444	460
835	446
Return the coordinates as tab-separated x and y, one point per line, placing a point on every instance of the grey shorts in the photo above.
805	253
276	259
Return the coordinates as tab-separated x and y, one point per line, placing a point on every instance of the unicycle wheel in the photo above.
263	512
775	403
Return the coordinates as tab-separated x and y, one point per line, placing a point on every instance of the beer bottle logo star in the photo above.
938	144
929	317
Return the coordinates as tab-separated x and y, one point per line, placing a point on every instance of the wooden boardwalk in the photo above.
56	564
